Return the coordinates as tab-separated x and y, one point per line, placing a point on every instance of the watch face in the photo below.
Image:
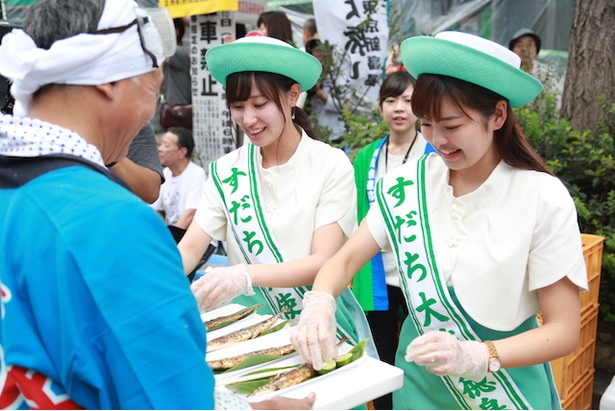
494	365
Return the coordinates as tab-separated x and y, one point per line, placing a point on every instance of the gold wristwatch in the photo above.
493	364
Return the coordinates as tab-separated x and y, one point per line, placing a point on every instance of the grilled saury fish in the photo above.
285	379
243	334
215	322
230	362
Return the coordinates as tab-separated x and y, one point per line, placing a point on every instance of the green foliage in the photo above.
361	130
585	162
349	101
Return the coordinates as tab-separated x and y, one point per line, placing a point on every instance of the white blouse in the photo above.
496	246
313	189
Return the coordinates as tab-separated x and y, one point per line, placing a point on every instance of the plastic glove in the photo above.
443	354
314	336
221	285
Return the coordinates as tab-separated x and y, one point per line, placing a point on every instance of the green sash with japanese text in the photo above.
403	200
237	182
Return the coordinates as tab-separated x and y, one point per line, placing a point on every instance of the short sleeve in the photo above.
556	249
376	226
210	214
143	150
338	198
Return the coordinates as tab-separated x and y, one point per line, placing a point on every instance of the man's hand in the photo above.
285	403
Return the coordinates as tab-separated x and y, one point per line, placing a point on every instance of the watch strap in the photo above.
493	352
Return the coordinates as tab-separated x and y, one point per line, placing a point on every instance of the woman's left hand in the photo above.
443	354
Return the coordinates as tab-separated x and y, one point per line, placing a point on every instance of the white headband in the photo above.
84	59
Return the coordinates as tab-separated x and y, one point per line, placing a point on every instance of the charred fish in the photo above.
241	314
243	334
230	362
285	380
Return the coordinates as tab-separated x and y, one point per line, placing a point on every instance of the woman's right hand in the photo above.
221	285
314	336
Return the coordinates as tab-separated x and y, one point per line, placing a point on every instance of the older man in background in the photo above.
95	310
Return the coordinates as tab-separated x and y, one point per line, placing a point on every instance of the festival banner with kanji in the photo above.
181	8
359	31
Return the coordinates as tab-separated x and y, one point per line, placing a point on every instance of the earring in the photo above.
292	115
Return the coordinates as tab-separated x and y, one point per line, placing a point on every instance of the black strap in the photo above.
17	171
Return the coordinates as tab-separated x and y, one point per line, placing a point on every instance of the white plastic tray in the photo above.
345	388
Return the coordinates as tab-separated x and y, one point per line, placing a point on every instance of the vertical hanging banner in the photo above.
211	119
181	8
359	31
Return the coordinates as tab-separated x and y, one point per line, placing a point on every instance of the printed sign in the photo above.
212	128
181	8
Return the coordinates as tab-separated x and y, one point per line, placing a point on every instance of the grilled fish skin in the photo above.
215	322
243	334
230	362
289	378
286	379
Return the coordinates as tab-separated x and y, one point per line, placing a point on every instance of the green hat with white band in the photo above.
473	59
266	54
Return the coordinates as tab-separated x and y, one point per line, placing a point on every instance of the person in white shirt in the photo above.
184	180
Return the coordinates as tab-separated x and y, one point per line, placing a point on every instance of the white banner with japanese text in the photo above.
359	31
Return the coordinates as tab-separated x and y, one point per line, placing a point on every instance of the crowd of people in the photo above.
439	244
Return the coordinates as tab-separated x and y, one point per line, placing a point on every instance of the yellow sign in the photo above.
181	8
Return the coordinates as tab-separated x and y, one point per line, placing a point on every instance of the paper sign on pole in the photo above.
211	118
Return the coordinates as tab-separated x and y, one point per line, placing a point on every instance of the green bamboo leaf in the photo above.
358	350
253	360
276	328
247	387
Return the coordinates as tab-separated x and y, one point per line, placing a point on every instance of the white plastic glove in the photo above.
443	354
221	285
314	336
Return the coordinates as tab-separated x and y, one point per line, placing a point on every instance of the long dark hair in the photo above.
429	92
272	86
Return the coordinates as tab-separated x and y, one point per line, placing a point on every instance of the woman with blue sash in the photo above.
484	237
284	202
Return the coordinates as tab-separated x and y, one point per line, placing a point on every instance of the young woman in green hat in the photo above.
484	235
284	202
376	285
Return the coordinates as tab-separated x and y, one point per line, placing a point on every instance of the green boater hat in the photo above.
473	59
266	54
